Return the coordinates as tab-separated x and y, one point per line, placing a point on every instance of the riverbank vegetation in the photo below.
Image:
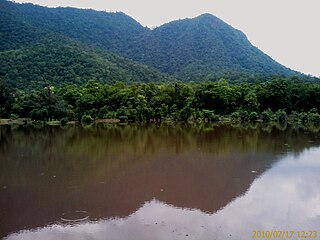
281	100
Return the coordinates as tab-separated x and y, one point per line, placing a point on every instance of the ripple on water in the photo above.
74	216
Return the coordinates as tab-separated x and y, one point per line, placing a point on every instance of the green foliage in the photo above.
60	45
207	114
40	105
110	115
6	99
303	117
13	116
208	50
267	115
244	116
281	116
250	102
220	97
214	118
122	114
235	116
97	28
59	62
313	110
253	116
142	102
185	113
64	121
295	117
87	119
314	118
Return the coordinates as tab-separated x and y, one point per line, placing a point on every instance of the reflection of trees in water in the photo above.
5	138
114	148
110	170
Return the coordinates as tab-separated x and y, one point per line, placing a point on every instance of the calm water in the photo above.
157	182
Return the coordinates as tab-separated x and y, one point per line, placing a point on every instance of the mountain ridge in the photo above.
33	57
225	37
192	49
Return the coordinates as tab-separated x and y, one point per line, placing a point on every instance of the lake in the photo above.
165	182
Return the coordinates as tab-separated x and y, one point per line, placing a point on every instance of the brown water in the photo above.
157	182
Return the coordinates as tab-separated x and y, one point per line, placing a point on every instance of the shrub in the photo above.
267	115
314	118
71	115
244	116
253	116
214	118
103	111
313	110
185	113
235	116
110	115
294	117
206	114
86	119
64	121
281	116
303	117
14	116
122	114
123	119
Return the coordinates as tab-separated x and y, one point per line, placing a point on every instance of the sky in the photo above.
286	30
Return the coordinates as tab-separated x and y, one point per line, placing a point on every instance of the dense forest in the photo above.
61	61
70	64
280	100
199	49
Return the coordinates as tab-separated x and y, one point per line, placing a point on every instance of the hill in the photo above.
59	62
109	31
16	33
32	56
202	48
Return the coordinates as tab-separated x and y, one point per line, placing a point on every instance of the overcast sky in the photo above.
287	30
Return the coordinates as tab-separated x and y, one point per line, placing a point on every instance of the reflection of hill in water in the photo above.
111	172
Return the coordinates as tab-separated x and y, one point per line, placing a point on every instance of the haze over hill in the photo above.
202	48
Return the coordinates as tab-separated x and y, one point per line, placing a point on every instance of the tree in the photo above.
6	99
185	113
250	102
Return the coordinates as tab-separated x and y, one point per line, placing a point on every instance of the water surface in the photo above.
157	182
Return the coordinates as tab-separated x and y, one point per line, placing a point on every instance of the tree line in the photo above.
281	99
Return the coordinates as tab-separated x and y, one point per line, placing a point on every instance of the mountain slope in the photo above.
31	56
109	31
59	62
16	33
202	48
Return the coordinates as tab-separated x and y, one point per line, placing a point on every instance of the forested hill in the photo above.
202	48
110	31
59	62
16	33
31	56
